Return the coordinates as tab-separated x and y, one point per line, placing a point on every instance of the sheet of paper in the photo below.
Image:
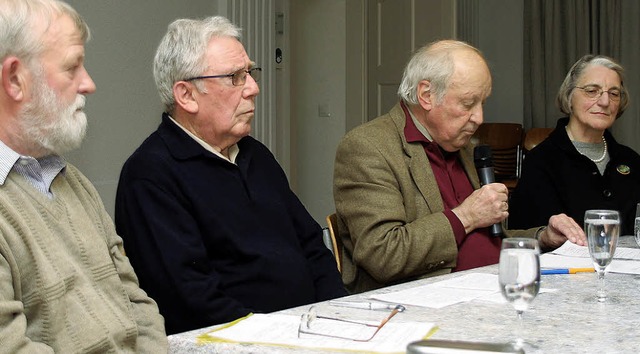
624	266
569	255
279	329
552	260
572	250
446	292
473	286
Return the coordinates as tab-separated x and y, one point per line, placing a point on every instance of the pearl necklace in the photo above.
604	153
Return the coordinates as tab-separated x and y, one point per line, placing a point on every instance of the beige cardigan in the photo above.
65	285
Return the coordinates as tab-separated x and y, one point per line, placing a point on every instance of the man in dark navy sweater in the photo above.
210	224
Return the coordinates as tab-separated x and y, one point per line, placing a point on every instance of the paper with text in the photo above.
474	286
569	255
447	292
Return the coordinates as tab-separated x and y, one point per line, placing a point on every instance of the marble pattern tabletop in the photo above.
568	320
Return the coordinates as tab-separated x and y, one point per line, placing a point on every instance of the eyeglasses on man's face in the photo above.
239	78
354	330
594	92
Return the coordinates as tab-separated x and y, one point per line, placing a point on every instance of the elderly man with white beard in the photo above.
65	284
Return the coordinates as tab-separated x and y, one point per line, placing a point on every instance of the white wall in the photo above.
318	69
500	40
125	108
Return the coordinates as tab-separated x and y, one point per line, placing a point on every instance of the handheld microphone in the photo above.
484	164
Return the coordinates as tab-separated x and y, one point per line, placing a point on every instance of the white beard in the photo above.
48	125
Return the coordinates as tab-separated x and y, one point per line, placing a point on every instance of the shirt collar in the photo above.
233	149
414	131
8	158
52	164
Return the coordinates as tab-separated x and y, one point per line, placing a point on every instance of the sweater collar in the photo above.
182	145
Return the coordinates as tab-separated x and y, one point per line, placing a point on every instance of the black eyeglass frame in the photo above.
236	78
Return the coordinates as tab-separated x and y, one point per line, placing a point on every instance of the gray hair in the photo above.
565	93
18	20
182	50
434	63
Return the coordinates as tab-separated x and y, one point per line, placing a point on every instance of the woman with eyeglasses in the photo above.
581	166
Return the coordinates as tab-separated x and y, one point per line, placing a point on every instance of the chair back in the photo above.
535	136
505	140
336	242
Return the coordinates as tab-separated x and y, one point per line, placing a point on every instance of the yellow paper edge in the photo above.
209	337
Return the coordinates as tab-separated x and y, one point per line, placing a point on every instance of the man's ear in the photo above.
426	98
183	94
13	78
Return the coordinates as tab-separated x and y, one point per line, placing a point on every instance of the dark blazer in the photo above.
212	241
556	178
390	212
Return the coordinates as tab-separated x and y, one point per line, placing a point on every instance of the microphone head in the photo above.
482	156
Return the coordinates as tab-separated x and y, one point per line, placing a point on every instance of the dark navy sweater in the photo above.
212	241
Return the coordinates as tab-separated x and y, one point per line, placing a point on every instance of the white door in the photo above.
265	38
390	30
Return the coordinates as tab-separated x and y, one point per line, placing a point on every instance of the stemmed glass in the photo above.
520	277
602	228
636	226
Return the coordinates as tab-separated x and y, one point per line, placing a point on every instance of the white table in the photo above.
566	321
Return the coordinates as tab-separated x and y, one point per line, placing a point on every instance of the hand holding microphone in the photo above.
483	160
486	206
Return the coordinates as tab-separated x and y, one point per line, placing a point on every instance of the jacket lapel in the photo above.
419	166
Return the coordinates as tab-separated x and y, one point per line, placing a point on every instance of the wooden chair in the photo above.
336	242
505	140
535	136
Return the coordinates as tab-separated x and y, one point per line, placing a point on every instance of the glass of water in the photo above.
602	228
636	228
519	277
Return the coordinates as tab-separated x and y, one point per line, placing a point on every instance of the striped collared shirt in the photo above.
39	172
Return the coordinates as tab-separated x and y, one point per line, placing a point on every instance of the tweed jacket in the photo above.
389	207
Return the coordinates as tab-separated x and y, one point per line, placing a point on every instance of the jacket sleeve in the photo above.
536	197
395	234
328	283
13	322
152	337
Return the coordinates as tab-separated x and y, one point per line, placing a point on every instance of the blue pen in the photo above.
566	271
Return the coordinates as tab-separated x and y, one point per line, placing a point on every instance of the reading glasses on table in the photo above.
310	324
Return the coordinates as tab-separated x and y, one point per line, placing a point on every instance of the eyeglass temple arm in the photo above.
384	321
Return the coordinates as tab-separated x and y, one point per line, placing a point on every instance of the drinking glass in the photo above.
520	277
636	228
602	228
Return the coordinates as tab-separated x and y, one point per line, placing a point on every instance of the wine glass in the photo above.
602	228
636	227
520	276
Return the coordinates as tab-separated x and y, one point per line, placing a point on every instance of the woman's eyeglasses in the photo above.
594	92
